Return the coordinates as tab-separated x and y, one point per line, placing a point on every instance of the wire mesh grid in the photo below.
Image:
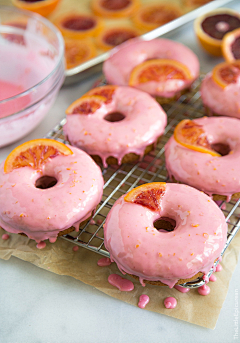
121	179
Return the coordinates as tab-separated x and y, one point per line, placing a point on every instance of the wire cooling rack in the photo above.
121	179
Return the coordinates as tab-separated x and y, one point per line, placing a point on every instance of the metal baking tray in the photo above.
94	66
121	179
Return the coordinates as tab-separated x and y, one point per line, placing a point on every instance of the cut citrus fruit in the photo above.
78	25
35	154
231	46
87	104
78	51
43	7
226	73
152	16
111	37
211	28
192	136
159	70
148	195
104	91
114	8
196	3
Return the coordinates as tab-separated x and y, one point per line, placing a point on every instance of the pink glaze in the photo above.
41	245
5	236
140	249
75	248
42	213
103	262
170	302
182	289
118	67
210	174
222	101
204	290
213	278
144	122
143	300
121	283
205	278
218	268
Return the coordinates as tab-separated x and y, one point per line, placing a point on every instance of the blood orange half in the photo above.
114	8
192	136
44	7
78	51
148	195
231	46
35	154
111	37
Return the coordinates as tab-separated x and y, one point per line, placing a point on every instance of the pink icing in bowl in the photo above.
31	73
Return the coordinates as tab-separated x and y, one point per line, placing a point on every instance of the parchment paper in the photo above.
59	258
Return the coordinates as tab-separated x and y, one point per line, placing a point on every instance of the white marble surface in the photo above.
37	306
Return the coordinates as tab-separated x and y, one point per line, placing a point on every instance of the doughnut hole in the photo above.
165	224
114	117
45	182
222	148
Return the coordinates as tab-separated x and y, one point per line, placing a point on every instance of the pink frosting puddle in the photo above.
143	300
103	262
204	290
205	278
92	222
5	236
170	302
41	245
213	278
218	268
121	283
182	289
8	90
75	248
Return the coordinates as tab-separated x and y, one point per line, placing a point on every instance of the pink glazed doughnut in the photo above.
117	124
157	255
218	176
124	58
44	213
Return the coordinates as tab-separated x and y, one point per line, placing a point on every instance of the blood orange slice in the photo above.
78	25
148	195
87	104
231	46
111	37
159	70
44	7
226	73
78	51
149	17
106	92
114	8
211	28
35	154
192	136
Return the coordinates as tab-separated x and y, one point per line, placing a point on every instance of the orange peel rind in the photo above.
114	8
104	91
192	136
226	73
35	154
43	8
148	195
159	70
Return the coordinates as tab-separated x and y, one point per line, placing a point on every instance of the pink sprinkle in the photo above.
143	300
5	236
204	290
182	289
41	245
218	268
121	283
75	248
103	262
170	302
213	278
92	222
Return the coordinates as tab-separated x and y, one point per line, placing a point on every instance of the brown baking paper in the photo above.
59	258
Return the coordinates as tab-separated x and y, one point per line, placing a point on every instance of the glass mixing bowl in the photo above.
31	71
